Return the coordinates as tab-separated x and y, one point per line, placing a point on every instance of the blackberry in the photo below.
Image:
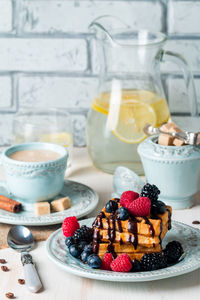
173	251
153	261
151	191
83	234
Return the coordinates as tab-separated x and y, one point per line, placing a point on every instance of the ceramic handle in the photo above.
189	81
3	183
31	277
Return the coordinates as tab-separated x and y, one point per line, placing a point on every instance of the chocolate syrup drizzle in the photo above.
169	219
132	228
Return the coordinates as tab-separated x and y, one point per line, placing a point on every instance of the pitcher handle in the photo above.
189	81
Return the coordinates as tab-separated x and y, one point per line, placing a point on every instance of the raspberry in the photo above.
69	226
128	197
140	207
107	260
121	264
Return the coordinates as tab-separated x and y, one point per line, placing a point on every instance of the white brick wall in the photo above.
19	54
47	55
5	92
75	16
183	17
57	91
5	16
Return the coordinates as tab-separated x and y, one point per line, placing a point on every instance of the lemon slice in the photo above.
101	105
62	138
162	111
128	124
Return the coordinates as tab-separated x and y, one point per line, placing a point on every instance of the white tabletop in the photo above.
59	285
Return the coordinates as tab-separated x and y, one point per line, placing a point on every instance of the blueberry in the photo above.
69	241
82	244
84	256
74	251
123	213
94	261
158	207
136	266
111	206
88	248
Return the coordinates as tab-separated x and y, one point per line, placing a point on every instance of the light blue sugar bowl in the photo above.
174	170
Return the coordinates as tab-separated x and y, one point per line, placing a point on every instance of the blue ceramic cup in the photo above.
174	170
34	181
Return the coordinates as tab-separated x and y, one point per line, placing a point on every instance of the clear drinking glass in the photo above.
44	125
130	92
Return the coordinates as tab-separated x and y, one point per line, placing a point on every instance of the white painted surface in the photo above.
59	285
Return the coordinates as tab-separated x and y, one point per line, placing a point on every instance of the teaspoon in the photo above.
21	239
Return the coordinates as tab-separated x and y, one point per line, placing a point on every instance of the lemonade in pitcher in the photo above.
115	126
130	92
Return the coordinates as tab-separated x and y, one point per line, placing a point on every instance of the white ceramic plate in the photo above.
83	201
187	235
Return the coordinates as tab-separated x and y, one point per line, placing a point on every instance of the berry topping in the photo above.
69	226
69	241
121	264
123	213
94	261
82	245
173	251
88	248
153	261
84	256
75	251
128	197
83	234
140	207
135	266
111	206
151	191
107	260
158	207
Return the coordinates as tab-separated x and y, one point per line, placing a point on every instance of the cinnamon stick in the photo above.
10	205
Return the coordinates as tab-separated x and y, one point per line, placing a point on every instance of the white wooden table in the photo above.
59	285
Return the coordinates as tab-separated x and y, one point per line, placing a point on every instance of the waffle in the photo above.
135	236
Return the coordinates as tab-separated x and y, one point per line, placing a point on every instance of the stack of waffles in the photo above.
135	236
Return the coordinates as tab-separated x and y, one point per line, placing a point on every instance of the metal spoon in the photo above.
21	239
191	138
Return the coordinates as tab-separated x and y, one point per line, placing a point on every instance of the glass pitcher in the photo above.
130	92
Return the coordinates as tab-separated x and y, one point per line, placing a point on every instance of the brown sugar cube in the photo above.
170	127
165	140
42	208
177	142
60	204
167	126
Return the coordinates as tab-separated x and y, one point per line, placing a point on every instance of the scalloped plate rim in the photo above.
120	277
